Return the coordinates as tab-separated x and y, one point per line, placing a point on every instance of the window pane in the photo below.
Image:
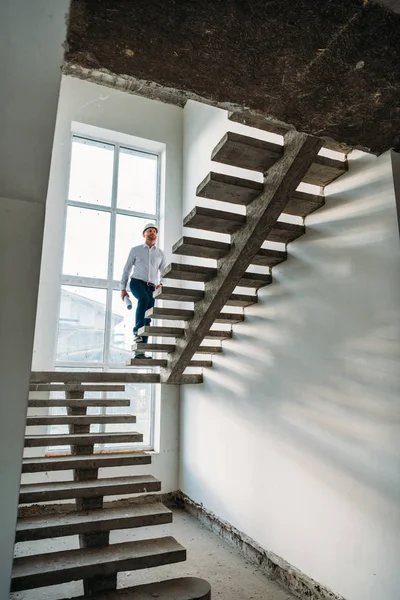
137	181
122	321
141	395
86	243
91	171
128	233
81	324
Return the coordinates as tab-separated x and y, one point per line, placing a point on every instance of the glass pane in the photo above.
81	324
137	181
91	171
122	321
128	233
141	396
86	243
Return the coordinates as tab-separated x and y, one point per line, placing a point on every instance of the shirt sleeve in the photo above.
128	268
163	264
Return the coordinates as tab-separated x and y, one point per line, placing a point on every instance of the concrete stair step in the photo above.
79	420
202	248
170	314
189	272
204	274
183	588
247	152
71	565
302	204
219	334
242	300
258	121
169	348
81	439
267	257
221	221
92	521
230	318
202	363
64	490
236	190
191	378
86	377
160	362
227	188
179	332
142	347
80	402
190	295
136	362
285	232
210	219
178	294
146	362
255	280
181	314
168	332
324	170
75	387
94	461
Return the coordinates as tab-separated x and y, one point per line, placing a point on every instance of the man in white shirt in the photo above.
147	262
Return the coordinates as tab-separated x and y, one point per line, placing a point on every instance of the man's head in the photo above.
150	234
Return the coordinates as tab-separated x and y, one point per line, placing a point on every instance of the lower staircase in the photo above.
96	562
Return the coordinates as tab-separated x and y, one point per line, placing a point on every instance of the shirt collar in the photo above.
146	246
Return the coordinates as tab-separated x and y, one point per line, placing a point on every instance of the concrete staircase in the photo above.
96	562
234	276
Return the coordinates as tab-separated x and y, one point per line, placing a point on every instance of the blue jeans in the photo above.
144	295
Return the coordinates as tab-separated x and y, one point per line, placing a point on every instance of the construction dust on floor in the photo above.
231	576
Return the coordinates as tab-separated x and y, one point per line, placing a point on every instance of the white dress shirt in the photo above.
146	263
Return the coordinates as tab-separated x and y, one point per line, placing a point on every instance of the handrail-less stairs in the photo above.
96	561
284	168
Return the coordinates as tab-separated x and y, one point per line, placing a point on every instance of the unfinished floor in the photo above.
230	575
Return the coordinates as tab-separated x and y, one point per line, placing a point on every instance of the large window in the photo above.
113	192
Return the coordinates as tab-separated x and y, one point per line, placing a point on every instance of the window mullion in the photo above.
111	254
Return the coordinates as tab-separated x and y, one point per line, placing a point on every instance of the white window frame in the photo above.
109	284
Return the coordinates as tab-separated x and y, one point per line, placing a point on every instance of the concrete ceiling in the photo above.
392	4
327	67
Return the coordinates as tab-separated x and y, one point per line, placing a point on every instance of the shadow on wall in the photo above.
317	359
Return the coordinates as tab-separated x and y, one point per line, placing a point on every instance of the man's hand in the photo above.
158	286
123	294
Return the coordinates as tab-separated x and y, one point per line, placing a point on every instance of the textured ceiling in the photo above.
327	67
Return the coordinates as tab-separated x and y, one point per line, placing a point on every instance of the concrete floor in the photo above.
208	556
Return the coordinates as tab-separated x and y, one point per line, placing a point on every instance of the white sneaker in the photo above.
138	339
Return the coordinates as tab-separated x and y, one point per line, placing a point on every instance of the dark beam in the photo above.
279	184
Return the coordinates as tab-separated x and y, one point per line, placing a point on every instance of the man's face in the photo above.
150	235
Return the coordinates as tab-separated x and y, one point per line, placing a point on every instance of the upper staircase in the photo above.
264	219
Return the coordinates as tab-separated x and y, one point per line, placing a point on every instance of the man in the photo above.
147	261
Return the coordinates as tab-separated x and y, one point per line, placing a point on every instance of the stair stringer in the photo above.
280	183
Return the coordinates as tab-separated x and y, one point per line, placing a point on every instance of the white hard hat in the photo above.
150	225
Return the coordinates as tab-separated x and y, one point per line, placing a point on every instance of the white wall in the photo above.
83	107
31	37
294	436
